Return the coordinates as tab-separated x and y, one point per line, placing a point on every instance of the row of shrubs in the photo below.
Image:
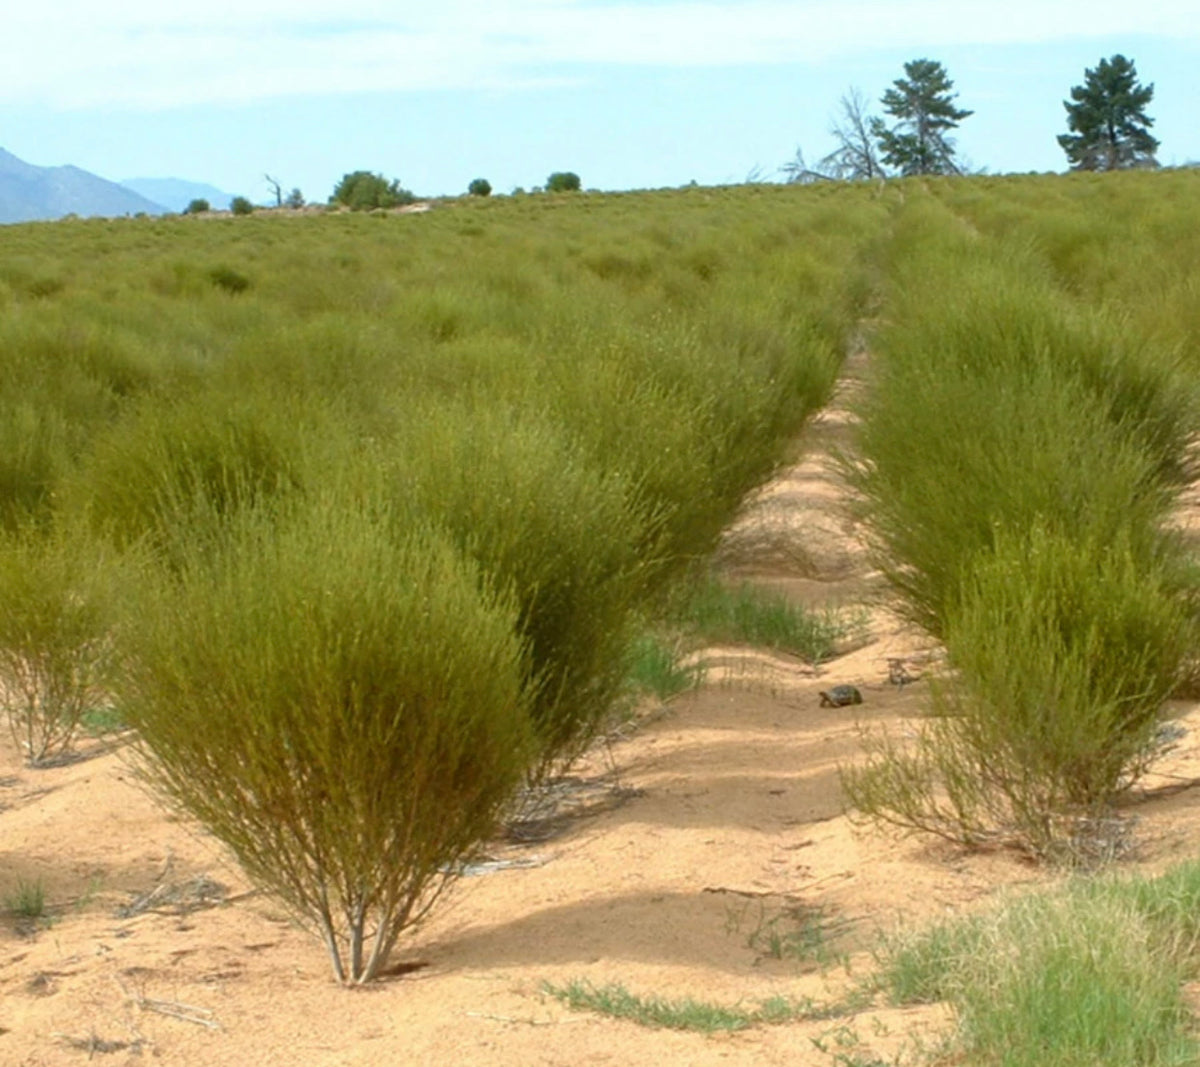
358	562
1021	455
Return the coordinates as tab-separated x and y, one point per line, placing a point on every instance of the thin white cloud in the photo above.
143	54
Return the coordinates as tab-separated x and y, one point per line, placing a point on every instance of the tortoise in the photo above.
840	696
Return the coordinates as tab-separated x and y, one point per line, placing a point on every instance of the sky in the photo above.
626	93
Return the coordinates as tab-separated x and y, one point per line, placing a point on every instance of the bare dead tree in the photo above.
276	188
856	157
797	172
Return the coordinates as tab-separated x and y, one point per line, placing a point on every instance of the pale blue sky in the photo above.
632	94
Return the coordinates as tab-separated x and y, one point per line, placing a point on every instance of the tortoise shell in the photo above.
840	696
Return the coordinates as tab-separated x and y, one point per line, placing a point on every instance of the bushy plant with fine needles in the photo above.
547	524
1064	653
176	465
342	703
952	454
55	649
1088	975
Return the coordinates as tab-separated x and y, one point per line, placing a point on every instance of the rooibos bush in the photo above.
55	648
341	704
954	455
1064	652
548	525
175	466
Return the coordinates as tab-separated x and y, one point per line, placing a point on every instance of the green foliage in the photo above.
173	471
228	279
562	182
952	458
751	615
923	104
55	653
1091	974
1064	653
686	1013
1110	129
294	200
197	206
657	665
28	900
558	532
1004	409
239	205
480	187
796	932
1019	461
340	703
363	191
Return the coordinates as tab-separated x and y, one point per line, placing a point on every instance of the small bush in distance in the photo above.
239	205
55	652
562	182
197	207
364	191
341	704
232	281
480	187
294	200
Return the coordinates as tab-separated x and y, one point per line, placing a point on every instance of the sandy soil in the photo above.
728	825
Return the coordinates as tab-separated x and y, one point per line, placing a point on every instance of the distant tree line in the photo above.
1106	119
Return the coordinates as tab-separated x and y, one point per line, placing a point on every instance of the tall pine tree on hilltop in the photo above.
1110	129
924	105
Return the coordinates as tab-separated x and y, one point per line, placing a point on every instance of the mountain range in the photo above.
29	193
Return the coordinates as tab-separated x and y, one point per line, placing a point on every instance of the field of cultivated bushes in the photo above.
355	518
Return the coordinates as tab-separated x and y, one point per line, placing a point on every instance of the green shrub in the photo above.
28	900
657	665
232	281
562	182
1064	653
558	533
197	207
239	205
952	456
339	702
174	469
480	187
364	191
55	652
34	456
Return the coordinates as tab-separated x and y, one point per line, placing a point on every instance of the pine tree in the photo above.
924	105
1109	126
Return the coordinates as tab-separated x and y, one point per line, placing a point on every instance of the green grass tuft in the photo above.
748	614
28	900
685	1013
1088	975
